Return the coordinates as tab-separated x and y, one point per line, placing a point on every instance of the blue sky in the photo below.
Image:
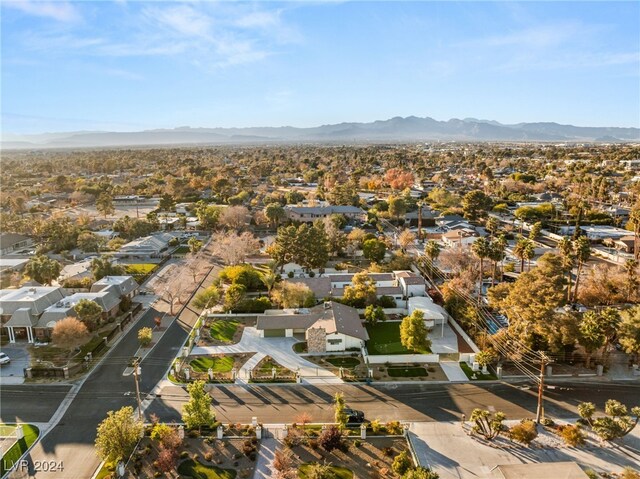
132	65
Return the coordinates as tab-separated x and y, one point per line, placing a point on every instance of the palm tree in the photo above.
492	225
529	253
582	250
565	246
481	248
519	251
432	251
496	253
420	204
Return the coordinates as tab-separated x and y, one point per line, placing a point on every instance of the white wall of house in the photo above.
341	342
414	289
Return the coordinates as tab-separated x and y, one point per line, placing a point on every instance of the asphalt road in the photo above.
430	402
30	402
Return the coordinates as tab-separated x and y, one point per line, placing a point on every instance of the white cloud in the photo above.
209	35
181	20
59	10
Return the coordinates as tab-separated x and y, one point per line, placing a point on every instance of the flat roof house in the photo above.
329	326
309	214
152	246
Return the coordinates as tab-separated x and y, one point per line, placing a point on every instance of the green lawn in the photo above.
408	372
384	338
344	362
6	430
300	347
14	453
182	250
140	268
224	330
339	472
479	376
191	468
219	364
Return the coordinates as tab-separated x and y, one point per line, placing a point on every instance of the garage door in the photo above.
274	333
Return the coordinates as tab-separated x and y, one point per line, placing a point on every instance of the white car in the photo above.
4	359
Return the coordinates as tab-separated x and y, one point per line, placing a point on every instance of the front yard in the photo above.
370	458
221	366
475	376
265	369
223	331
200	458
384	338
15	449
410	372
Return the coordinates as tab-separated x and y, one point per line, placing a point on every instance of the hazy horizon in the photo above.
133	66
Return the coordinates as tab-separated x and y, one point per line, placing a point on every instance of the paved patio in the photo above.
443	344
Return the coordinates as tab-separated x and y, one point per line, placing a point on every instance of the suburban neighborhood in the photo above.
396	284
319	240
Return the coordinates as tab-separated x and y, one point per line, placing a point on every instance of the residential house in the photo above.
328	327
460	238
153	246
125	286
21	308
309	214
13	242
398	285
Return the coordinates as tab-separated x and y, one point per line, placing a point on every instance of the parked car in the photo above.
354	416
4	359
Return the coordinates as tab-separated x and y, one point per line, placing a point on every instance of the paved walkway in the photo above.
445	447
453	371
264	461
280	349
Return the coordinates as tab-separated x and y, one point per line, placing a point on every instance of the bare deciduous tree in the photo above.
234	217
232	248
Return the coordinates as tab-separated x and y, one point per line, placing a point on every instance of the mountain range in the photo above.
396	129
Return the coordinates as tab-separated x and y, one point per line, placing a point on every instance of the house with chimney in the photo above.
328	327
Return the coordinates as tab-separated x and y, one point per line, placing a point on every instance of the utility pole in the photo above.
137	370
543	363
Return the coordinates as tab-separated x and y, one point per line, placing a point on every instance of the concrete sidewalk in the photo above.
264	461
453	371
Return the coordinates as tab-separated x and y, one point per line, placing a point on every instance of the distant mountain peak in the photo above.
396	129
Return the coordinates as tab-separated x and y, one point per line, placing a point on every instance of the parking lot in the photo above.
13	373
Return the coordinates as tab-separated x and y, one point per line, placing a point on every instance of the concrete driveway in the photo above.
280	349
13	373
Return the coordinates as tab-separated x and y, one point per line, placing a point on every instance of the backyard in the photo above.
140	271
384	338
